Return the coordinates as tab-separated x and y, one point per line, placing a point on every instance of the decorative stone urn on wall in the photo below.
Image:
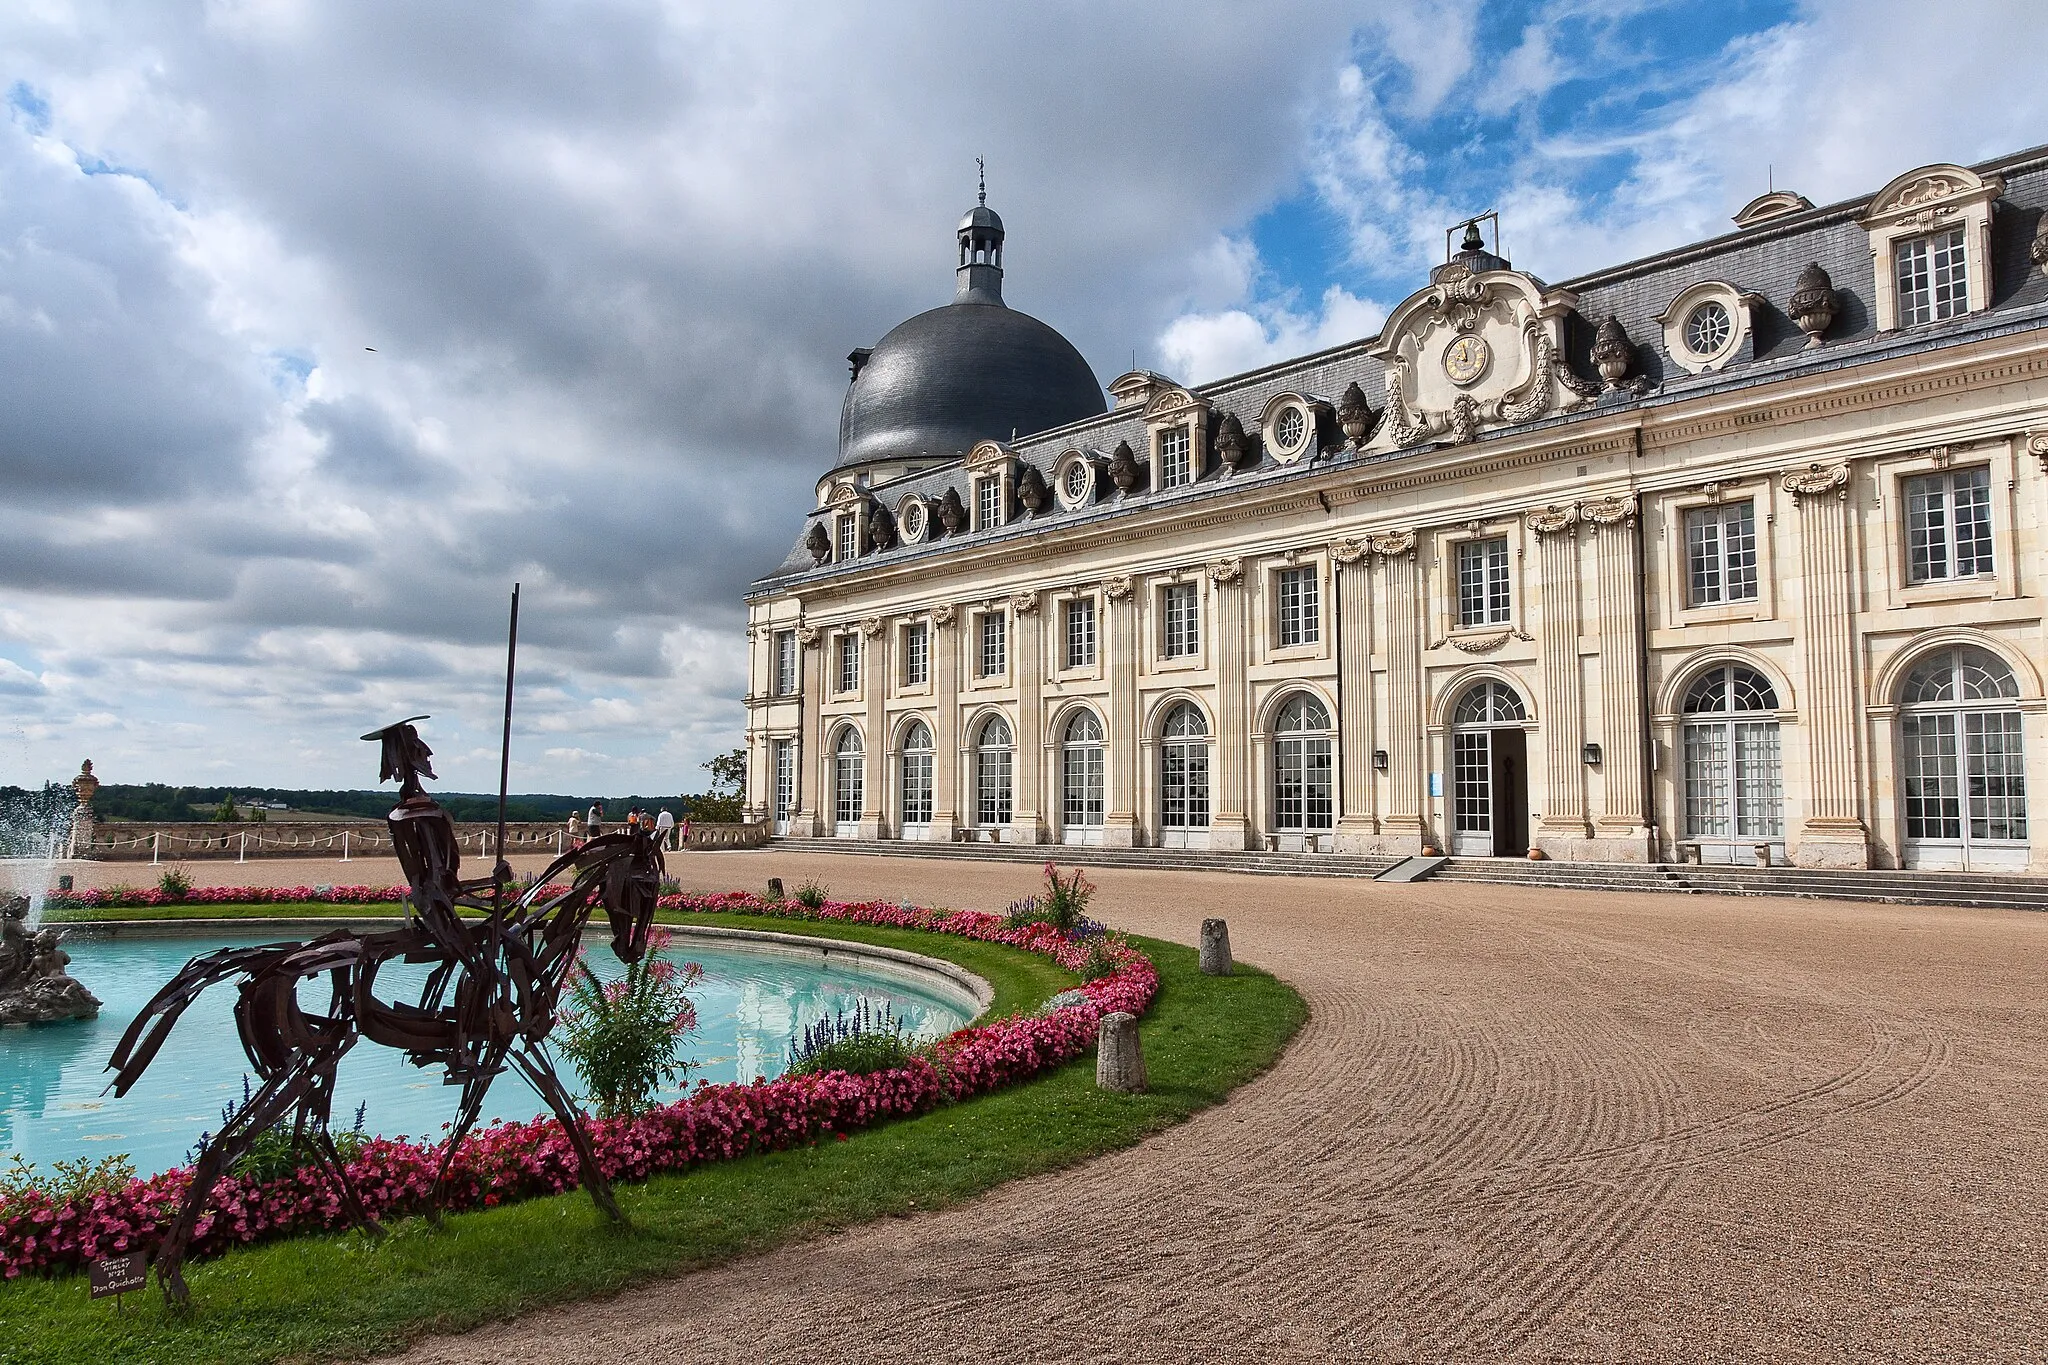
83	786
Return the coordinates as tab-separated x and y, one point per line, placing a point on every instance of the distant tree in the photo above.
226	811
728	773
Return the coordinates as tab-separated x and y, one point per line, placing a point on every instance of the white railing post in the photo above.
344	845
243	856
156	847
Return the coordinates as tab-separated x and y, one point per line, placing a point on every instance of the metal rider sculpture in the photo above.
488	1002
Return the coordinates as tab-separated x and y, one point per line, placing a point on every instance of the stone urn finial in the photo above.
1613	354
1814	302
1031	490
1354	414
85	784
1123	467
2038	252
1230	442
952	512
818	543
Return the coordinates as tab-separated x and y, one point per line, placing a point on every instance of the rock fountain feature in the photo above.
34	987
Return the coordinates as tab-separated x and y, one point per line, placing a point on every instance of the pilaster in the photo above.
874	680
1229	826
1405	813
1120	753
1833	833
1617	547
1352	576
810	817
945	656
1561	723
1027	819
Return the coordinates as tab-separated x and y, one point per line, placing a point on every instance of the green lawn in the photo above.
346	1297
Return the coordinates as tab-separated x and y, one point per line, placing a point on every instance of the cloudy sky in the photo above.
323	322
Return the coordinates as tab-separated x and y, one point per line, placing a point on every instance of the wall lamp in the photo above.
1591	754
1379	760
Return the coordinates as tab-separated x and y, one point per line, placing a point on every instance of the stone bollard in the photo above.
1119	1061
1215	948
775	888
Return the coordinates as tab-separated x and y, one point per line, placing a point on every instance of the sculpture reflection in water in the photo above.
488	1003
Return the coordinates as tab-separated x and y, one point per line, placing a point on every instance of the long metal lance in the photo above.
505	761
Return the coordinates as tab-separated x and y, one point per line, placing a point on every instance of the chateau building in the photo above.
1735	551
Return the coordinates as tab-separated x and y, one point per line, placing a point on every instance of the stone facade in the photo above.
1755	568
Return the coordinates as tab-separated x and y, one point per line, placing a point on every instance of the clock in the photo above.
1466	359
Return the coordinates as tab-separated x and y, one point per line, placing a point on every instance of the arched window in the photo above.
1302	786
993	751
1184	769
1489	777
1734	785
917	775
1490	703
1081	772
1962	760
846	778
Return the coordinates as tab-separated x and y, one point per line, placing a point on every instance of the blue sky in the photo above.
321	322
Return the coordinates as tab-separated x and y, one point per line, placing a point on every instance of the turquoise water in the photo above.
750	1004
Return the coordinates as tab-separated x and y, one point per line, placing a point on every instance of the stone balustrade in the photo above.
182	841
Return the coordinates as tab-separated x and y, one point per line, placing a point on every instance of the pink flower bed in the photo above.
114	897
508	1161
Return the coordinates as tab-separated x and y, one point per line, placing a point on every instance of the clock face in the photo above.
1465	359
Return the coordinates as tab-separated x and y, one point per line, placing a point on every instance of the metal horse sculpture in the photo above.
488	1002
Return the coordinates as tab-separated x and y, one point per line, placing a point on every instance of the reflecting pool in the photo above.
750	1003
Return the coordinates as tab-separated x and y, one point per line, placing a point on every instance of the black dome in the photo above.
967	372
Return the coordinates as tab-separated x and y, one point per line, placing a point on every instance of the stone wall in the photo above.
183	841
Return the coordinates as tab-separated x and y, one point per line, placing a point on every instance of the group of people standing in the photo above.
663	825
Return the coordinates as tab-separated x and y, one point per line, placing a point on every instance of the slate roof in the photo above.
1765	260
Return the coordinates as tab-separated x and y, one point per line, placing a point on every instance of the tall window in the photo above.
1488	706
1720	547
849	662
995	644
988	503
1300	609
1176	464
785	779
1933	281
1733	784
1483	582
1184	769
848	537
917	774
1948	525
785	663
917	654
1963	757
992	757
1080	633
1081	775
846	778
1180	621
1302	786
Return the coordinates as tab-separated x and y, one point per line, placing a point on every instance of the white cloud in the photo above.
1197	348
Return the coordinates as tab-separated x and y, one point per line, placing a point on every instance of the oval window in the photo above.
1707	328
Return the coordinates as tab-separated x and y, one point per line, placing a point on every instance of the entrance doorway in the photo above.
1489	774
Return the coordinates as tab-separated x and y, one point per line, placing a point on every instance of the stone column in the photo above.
1405	813
1120	745
1833	833
1617	548
1229	825
1562	723
945	663
1027	818
874	681
1352	577
810	816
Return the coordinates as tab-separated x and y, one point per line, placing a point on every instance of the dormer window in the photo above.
988	503
1930	240
846	537
1707	328
1176	466
1933	278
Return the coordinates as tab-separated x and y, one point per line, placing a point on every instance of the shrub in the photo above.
860	1044
811	896
626	1036
175	884
1102	959
1059	904
74	1180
